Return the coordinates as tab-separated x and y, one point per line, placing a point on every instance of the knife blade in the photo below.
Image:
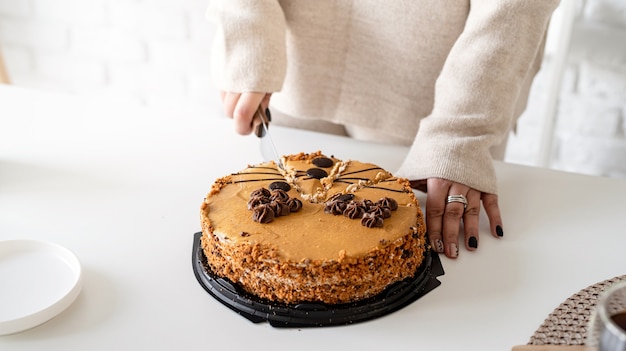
268	148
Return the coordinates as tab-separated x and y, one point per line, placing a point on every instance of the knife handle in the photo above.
260	117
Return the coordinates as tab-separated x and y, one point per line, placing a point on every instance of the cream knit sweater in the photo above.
450	76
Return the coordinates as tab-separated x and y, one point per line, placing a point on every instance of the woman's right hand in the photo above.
241	108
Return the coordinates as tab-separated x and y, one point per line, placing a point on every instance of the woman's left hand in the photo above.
443	218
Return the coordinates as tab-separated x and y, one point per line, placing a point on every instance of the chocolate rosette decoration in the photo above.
354	210
388	202
262	192
279	194
263	213
280	208
257	200
366	204
269	204
371	220
335	207
294	204
380	211
363	204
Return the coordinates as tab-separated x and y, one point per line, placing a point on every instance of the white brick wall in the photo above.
156	52
589	136
148	51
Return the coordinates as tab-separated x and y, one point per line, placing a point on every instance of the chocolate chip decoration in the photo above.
344	197
316	173
280	185
323	162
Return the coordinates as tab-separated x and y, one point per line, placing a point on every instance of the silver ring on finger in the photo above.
457	198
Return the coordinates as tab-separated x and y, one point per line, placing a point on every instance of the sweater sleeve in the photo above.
477	91
249	52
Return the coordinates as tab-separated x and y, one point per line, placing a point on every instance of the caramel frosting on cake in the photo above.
318	230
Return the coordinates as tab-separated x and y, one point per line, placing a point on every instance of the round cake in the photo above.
317	229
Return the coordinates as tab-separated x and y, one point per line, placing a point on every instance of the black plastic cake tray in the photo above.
258	310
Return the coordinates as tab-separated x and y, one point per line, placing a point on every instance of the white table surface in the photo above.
121	186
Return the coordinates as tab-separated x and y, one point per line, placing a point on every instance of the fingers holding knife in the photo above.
242	107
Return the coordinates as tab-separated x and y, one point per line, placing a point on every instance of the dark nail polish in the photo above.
499	231
472	242
268	114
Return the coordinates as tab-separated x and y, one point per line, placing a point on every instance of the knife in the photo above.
268	149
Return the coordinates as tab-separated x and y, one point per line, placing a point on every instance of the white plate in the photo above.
38	280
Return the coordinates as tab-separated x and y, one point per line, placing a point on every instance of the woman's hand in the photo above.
443	219
241	108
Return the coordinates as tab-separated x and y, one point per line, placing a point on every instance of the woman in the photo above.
449	78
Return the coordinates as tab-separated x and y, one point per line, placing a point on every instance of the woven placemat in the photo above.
567	324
